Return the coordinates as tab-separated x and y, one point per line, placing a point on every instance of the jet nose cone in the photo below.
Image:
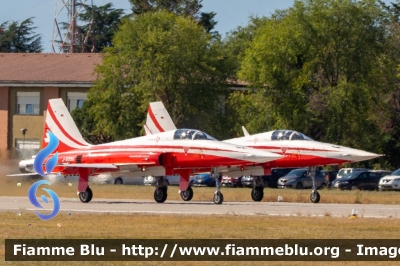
262	156
359	155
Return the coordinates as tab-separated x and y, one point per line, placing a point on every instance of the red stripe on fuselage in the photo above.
269	148
154	119
123	147
51	112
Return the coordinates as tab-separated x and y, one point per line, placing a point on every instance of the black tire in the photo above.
299	186
257	193
86	196
218	198
160	194
118	181
315	197
187	195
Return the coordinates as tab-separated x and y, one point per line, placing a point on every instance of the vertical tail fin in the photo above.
246	134
158	119
61	124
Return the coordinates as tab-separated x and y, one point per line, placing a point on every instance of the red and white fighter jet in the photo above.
297	150
179	151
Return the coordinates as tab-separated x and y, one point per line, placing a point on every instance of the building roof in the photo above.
48	68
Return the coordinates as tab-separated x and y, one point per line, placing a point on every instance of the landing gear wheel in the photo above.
257	193
187	195
118	181
160	194
218	198
315	197
86	196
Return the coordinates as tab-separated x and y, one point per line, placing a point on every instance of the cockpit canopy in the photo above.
191	134
288	135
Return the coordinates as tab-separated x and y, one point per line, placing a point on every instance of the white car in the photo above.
126	180
172	180
345	171
390	182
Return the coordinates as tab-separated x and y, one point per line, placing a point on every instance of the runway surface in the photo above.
206	208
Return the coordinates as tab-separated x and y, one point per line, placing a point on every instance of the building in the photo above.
27	82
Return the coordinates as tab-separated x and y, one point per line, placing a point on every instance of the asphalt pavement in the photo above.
98	205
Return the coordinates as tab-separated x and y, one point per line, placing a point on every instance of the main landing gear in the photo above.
86	196
257	193
160	194
187	195
314	197
85	193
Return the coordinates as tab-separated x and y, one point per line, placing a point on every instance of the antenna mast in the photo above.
67	41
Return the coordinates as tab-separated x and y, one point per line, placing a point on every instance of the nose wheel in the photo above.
218	197
86	196
315	197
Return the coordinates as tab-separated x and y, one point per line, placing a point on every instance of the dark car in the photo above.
228	181
269	180
300	178
366	180
202	180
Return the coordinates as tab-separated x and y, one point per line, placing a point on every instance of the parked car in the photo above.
358	180
269	180
247	181
382	173
202	180
127	180
300	178
390	182
344	171
172	180
228	181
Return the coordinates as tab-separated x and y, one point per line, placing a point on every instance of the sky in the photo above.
229	13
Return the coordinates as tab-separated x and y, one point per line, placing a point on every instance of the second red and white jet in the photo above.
297	150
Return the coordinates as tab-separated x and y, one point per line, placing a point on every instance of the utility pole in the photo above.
2	46
69	41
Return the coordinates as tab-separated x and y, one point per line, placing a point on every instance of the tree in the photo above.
316	65
389	116
159	56
19	38
188	8
103	23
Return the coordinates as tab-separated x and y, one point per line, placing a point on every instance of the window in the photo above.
27	144
75	100
28	103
